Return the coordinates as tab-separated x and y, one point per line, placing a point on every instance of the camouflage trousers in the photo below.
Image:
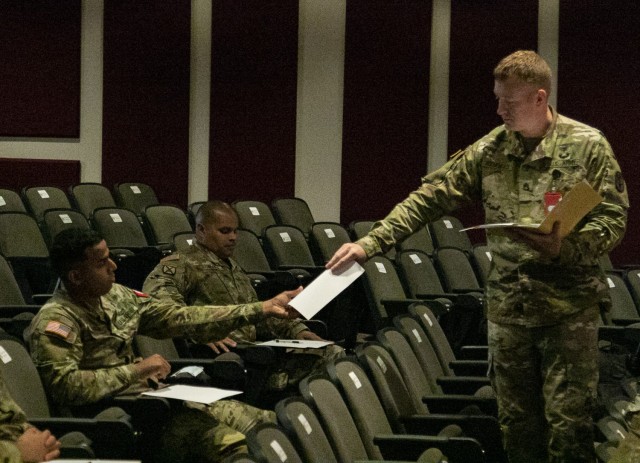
545	380
299	363
209	433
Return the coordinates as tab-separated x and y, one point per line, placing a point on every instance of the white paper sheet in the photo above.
296	343
323	289
202	394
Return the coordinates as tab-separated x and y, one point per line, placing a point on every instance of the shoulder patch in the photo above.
168	270
60	330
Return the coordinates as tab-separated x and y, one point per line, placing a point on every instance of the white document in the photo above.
202	394
323	289
296	343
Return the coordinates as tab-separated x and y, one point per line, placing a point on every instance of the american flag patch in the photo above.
58	328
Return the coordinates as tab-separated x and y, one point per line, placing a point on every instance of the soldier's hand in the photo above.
308	336
548	245
155	367
279	305
346	254
222	346
36	445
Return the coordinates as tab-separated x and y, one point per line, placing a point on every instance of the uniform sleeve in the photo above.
13	422
58	358
207	323
9	452
605	225
168	280
441	192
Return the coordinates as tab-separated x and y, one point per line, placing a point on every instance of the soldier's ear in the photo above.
74	277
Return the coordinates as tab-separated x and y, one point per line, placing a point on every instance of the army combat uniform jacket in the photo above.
523	288
13	423
85	354
199	277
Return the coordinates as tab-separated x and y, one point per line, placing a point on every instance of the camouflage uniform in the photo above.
200	277
13	423
84	353
530	299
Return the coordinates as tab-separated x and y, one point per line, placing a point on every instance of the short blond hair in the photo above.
527	66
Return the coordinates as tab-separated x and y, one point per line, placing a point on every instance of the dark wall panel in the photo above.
386	100
253	99
482	33
599	84
40	68
16	174
146	95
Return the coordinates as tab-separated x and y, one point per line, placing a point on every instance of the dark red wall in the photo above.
254	66
40	70
146	95
386	101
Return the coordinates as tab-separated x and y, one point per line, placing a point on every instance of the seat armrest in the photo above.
469	367
454	403
462	384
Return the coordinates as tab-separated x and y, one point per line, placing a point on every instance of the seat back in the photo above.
361	397
10	293
146	346
286	246
381	282
20	236
249	253
119	227
419	240
623	306
134	196
164	221
294	212
632	277
183	241
396	399
10	201
421	345
56	220
325	239
418	273
325	398
300	422
22	379
482	262
455	269
414	376
88	197
269	444
446	232
254	216
41	198
436	335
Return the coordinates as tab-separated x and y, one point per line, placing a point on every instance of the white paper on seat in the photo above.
295	343
324	289
201	394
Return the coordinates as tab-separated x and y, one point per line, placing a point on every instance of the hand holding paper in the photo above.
324	288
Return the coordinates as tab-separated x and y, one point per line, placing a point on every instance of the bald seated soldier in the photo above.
81	343
207	274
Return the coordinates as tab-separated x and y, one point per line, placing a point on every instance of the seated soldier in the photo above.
207	274
81	343
20	441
